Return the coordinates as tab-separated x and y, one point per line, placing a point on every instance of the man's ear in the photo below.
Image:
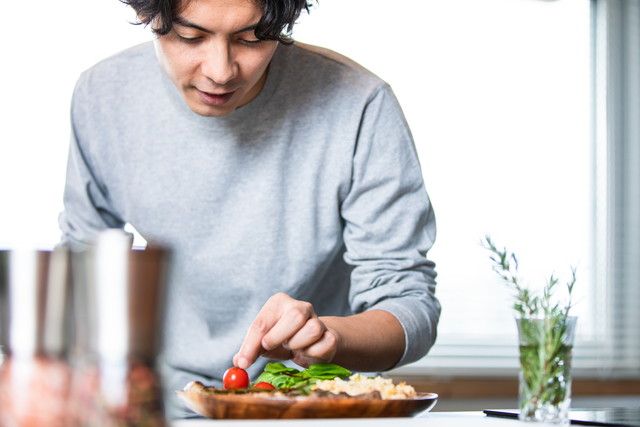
144	19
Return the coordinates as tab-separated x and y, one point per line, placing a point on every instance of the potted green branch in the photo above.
546	334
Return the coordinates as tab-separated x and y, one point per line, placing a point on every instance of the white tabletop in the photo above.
431	419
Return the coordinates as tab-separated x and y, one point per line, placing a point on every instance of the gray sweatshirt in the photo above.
313	189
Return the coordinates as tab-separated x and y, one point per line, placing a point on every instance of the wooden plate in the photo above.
266	405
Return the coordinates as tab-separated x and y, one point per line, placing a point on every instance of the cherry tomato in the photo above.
235	379
264	386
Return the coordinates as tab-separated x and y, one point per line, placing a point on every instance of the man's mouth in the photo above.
214	98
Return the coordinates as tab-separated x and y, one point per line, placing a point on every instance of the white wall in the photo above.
45	46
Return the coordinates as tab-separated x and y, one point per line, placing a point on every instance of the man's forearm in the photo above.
367	342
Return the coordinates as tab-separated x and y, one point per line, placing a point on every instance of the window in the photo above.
616	28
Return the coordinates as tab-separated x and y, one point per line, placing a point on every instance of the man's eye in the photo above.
250	42
190	40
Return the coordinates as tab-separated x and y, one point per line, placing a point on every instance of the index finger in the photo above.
251	347
267	319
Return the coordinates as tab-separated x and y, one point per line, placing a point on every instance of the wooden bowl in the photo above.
269	406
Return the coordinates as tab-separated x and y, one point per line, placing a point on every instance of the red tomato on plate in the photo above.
264	386
235	379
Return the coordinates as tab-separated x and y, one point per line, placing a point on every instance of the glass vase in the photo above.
546	346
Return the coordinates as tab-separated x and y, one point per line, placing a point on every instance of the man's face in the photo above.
213	56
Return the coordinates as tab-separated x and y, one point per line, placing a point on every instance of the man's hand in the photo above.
285	329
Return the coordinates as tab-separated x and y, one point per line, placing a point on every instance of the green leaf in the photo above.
328	371
279	368
267	377
281	376
285	381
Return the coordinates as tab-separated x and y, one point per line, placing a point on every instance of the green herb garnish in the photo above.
283	377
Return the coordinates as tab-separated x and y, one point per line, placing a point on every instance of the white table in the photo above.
430	419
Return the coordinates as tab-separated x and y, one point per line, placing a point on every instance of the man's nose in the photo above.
219	64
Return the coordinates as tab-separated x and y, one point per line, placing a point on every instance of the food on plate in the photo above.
319	380
358	385
321	391
281	376
235	379
262	385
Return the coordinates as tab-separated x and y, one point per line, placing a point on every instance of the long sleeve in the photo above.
87	209
390	226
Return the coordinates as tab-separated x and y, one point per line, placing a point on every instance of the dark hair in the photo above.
278	16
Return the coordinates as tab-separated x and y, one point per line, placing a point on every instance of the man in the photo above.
284	178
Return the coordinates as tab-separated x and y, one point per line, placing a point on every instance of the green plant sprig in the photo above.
545	353
505	264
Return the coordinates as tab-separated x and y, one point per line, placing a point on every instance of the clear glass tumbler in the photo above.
546	346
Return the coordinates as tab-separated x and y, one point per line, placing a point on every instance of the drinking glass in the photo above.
546	346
